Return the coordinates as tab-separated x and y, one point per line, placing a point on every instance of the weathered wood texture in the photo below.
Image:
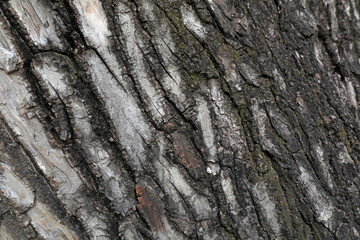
169	119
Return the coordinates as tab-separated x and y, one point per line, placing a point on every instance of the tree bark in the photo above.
197	119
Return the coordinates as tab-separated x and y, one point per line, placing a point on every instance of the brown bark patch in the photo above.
187	155
150	205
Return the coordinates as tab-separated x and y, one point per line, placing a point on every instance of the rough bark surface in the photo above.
169	119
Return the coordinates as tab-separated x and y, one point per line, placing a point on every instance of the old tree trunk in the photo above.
169	119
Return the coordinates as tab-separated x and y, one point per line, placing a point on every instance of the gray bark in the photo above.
197	119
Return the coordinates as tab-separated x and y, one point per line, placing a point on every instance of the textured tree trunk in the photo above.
169	119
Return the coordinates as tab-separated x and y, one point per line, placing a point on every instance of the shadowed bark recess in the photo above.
169	119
